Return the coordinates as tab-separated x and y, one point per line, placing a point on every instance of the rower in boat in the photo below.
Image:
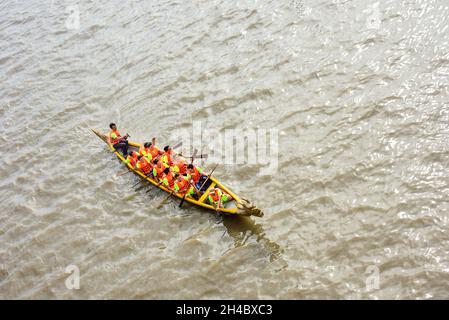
155	152
217	197
117	141
144	150
143	165
166	156
179	166
158	169
196	174
168	179
184	185
131	159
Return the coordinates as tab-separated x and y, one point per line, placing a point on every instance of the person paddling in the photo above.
183	185
144	150
168	178
196	174
217	198
158	169
131	159
117	141
154	150
143	165
166	156
180	166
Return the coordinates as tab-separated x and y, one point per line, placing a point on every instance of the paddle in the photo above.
141	181
163	201
193	156
177	145
188	188
153	141
204	183
137	184
185	194
156	186
201	156
123	173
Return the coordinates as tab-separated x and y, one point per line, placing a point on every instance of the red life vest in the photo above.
182	167
162	165
166	157
170	179
132	160
144	151
154	151
215	195
144	165
158	171
182	183
116	139
196	175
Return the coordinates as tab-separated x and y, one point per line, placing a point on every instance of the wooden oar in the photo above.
156	186
163	201
137	183
204	183
145	180
201	156
188	188
192	157
185	194
177	145
124	172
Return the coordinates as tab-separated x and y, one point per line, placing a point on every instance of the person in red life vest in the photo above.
196	174
117	141
182	185
131	159
143	165
166	156
144	149
158	169
155	152
168	179
179	166
217	198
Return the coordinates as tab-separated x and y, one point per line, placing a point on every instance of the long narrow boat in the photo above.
235	206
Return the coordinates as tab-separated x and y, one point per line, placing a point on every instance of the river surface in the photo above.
357	91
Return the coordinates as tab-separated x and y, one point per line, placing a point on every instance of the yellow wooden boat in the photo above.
235	206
